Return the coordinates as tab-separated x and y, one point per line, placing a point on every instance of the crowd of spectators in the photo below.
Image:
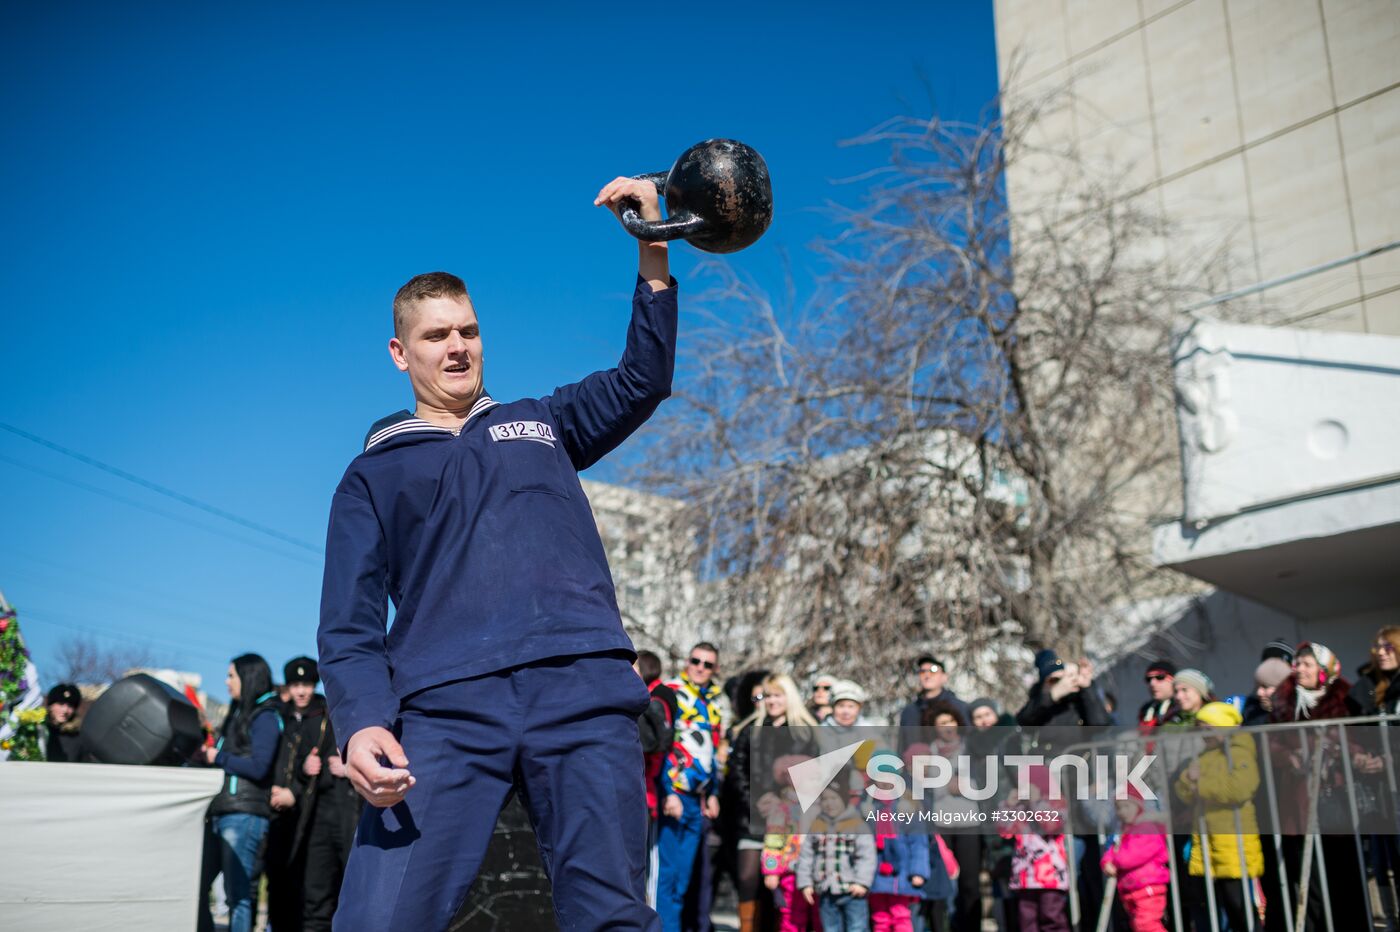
835	873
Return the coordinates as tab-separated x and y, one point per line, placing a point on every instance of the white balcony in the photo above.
1291	467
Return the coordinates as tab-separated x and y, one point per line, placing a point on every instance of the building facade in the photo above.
1271	124
1267	132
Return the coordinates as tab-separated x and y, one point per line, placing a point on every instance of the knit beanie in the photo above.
65	693
1134	796
913	751
1219	715
1279	648
1162	666
983	702
1271	672
1196	680
784	764
1047	662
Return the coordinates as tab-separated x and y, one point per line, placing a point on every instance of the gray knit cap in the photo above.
1271	672
976	704
1196	680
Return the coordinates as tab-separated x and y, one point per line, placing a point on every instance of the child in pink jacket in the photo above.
1139	860
1039	858
782	844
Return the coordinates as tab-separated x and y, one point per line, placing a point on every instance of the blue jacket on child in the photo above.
898	858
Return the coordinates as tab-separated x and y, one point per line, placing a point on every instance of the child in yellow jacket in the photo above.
1220	785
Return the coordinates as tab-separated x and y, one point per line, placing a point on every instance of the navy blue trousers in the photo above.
562	733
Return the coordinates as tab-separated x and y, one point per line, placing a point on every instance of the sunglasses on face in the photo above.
759	697
1383	647
823	688
1157	677
697	662
930	669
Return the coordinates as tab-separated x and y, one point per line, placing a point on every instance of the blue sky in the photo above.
208	210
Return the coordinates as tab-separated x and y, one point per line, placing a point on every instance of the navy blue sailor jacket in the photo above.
482	538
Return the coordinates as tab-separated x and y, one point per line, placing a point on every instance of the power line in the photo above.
142	506
42	616
119	583
163	490
116	597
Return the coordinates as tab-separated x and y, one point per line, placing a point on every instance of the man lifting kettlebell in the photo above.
507	668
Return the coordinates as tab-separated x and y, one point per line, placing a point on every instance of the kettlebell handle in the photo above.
677	226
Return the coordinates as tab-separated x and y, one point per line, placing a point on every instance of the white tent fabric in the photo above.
101	846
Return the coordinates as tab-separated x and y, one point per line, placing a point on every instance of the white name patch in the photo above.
537	431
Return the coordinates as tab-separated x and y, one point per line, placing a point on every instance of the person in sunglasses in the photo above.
933	688
1385	662
1161	686
691	769
820	703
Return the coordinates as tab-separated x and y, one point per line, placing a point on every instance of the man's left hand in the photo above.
652	262
336	765
623	189
712	807
209	754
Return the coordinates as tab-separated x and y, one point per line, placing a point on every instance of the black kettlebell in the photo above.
718	198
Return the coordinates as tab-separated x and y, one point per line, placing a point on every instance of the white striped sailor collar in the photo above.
403	422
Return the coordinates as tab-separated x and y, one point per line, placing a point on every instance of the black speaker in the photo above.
140	720
511	890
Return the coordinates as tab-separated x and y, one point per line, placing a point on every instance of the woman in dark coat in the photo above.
1317	691
781	707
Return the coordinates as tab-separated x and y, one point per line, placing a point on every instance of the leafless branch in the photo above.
955	448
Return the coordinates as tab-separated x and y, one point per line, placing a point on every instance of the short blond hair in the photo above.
427	285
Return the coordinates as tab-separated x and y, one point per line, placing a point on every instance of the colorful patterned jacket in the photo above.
781	843
1038	862
691	766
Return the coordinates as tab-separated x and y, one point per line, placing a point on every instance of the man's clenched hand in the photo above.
621	189
380	786
652	263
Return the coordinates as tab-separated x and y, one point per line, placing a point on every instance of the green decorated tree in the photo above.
22	711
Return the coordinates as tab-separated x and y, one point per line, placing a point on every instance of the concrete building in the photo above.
1274	124
1268	130
668	602
658	610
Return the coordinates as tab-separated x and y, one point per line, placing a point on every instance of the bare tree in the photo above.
84	660
958	444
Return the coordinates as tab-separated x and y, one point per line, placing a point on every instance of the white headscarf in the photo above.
1307	699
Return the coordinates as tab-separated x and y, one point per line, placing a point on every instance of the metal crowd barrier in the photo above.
1314	746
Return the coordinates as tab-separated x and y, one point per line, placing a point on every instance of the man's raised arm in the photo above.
598	413
653	259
